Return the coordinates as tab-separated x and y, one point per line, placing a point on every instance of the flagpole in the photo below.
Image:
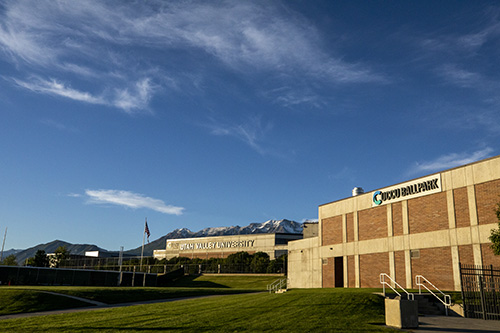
143	239
3	244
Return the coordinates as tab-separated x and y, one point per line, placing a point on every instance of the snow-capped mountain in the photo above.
270	227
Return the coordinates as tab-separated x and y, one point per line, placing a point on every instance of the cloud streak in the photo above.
250	132
90	39
131	200
450	161
128	99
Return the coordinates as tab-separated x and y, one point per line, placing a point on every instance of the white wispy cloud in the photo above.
137	97
452	73
58	125
248	36
55	88
450	161
250	132
100	41
128	99
131	200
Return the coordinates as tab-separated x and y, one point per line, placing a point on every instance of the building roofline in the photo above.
256	234
406	181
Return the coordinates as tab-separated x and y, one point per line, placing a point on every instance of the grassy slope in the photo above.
29	299
21	301
296	311
117	295
227	281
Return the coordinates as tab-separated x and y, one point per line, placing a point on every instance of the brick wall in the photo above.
372	223
462	216
370	267
328	273
487	198
436	266
332	230
351	275
489	258
465	254
397	218
400	268
428	213
350	227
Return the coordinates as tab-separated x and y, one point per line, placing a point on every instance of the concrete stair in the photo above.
429	305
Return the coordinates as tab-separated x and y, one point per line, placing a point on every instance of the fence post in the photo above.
493	289
483	300
133	278
462	289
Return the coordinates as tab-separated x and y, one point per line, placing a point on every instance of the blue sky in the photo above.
214	113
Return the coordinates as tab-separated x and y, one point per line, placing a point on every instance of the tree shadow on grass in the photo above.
189	282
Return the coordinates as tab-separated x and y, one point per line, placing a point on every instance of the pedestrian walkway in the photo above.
440	324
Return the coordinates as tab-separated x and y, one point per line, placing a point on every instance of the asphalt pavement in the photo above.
440	324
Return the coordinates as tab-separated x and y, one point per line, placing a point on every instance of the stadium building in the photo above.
274	245
424	226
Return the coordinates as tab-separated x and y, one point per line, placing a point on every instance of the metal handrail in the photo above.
447	299
410	296
276	285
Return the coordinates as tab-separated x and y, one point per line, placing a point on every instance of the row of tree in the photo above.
40	259
10	260
240	262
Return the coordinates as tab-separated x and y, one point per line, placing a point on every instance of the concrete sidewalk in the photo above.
440	324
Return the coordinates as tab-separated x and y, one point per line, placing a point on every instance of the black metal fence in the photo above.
480	291
197	266
17	275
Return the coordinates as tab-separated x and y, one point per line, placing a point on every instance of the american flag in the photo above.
146	230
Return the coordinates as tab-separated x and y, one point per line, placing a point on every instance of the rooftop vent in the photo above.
357	191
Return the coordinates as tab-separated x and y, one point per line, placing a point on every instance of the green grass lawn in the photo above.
29	299
26	300
307	310
15	300
251	282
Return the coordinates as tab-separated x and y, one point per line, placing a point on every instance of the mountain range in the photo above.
271	227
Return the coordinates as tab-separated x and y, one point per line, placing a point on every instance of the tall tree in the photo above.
60	254
495	235
9	261
40	259
259	263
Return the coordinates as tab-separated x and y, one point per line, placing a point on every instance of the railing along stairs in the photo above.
278	286
384	276
446	298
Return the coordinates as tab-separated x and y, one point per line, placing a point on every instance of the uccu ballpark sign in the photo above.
408	190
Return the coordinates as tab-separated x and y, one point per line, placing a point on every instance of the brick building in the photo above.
425	226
